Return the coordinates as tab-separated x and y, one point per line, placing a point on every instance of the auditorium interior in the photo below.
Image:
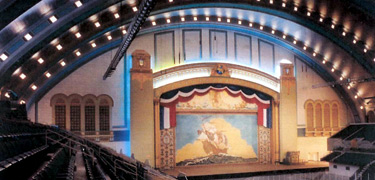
187	89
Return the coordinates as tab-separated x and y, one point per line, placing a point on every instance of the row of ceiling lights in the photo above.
53	19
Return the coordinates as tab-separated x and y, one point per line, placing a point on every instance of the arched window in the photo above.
104	115
318	117
327	117
335	116
60	113
90	115
310	116
75	115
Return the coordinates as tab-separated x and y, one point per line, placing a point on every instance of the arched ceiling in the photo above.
336	38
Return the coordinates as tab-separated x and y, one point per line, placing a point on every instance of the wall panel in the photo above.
164	50
218	45
242	49
266	56
192	44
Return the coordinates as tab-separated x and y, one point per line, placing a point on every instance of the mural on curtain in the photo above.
215	125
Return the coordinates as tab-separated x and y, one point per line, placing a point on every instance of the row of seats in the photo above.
51	167
66	172
93	171
16	146
10	128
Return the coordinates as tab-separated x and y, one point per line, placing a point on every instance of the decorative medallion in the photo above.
220	70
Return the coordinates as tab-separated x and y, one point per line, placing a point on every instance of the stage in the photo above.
221	171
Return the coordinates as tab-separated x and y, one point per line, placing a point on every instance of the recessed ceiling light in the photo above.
321	19
48	75
195	18
182	19
22	76
283	4
271	1
284	36
135	9
59	47
261	27
40	61
168	21
97	24
308	14
170	0
28	36
354	41
109	37
34	87
228	20
78	35
333	26
78	53
78	3
207	18
219	19
117	16
295	9
251	24
343	33
62	63
52	19
124	31
7	95
22	102
3	57
239	22
93	45
153	23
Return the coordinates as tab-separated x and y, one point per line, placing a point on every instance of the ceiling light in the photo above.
7	95
195	18
78	3
361	107
48	75
3	57
52	19
28	36
239	22
219	19
365	50
117	15
78	53
124	31
182	19
356	96
135	9
109	37
333	69
93	45
295	9
308	14
343	33
153	23
40	61
168	21
261	27
354	41
59	47
321	19
324	61
341	78
333	26
251	24
284	36
283	4
273	31
62	63
304	47
207	18
78	35
349	87
271	1
97	24
22	76
314	54
22	102
228	20
34	87
170	0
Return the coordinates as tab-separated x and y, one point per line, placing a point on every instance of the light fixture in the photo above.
355	96
48	74
78	35
304	47
341	78
365	50
40	61
239	22
283	4
7	95
295	9
153	23
271	1
219	19
93	45
228	20
314	54
324	61
273	31
109	37
374	59
124	31
182	19
78	3
62	63
354	41
170	0
117	15
349	87
97	24
28	36
59	47
168	21
78	53
251	24
207	18
333	69
284	36
261	27
308	13
361	107
321	19
52	19
3	57
195	18
34	87
22	102
343	33
22	76
294	42
135	9
333	26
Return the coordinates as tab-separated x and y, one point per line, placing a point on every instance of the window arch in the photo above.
90	115
318	117
310	116
60	113
75	114
104	115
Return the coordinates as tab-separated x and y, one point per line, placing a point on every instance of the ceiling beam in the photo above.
143	12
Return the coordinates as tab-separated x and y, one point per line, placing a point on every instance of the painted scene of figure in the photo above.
216	139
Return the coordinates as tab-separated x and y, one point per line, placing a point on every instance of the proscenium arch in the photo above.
110	45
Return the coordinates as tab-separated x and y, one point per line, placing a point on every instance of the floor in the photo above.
80	173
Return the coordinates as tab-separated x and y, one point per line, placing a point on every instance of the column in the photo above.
142	108
288	110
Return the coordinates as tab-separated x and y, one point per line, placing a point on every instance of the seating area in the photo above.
50	153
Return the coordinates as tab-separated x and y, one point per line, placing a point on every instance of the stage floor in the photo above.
242	170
